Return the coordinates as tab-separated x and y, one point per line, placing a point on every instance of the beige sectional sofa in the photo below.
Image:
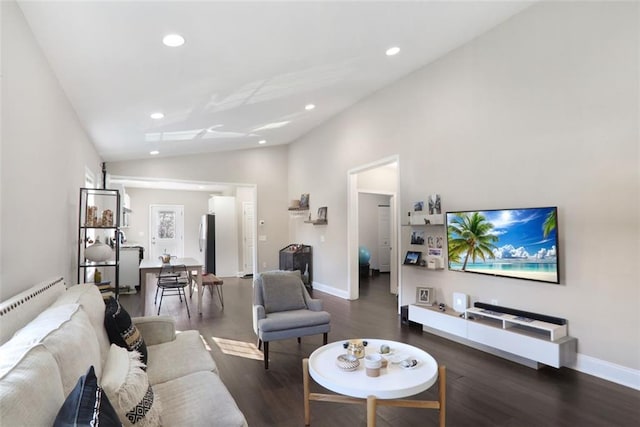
51	335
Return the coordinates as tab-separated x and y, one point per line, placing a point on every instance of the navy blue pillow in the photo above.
121	330
87	405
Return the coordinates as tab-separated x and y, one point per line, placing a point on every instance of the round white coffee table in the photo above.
394	382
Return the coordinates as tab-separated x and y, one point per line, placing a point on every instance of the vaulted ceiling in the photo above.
246	71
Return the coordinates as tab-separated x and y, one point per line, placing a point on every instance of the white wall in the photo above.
542	110
44	154
266	167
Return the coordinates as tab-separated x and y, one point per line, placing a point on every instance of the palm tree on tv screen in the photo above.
549	223
469	234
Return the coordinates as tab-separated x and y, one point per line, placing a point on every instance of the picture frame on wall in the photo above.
418	206
412	258
417	237
304	201
435	252
322	213
425	296
435	205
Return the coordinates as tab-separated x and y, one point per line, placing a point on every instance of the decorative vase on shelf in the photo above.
98	251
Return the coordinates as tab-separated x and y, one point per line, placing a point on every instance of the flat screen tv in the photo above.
518	243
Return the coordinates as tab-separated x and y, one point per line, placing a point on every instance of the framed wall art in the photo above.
425	296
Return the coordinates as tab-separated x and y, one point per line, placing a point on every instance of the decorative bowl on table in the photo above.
347	362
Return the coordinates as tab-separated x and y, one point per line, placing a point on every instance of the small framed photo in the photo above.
304	201
413	258
425	296
322	213
435	252
417	237
418	206
435	206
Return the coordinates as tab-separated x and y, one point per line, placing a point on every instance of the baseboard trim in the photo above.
618	374
330	290
608	371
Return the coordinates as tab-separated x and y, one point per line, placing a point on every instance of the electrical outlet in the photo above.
264	264
494	302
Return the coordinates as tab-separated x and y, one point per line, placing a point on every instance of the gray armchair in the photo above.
282	309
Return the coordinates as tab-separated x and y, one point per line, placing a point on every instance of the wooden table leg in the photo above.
305	383
199	284
143	292
442	393
371	411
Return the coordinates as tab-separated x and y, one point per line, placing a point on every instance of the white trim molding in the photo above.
618	374
330	290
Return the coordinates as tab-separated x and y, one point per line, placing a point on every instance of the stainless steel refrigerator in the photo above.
207	241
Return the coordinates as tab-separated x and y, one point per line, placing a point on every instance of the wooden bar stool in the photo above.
211	280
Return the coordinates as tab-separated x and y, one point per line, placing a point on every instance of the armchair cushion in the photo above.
293	319
282	293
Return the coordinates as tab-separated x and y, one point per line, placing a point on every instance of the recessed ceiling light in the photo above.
154	152
309	107
173	40
262	141
156	116
393	51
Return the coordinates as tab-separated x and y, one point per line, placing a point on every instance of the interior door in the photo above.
248	239
384	238
166	230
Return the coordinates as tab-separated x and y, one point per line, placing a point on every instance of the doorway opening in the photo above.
196	196
380	178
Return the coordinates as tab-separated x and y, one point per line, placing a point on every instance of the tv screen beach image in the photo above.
519	243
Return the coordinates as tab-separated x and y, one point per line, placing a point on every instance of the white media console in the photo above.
527	341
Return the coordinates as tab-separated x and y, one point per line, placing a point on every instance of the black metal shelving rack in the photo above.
109	199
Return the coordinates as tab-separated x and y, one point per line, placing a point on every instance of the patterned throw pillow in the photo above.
86	405
128	388
121	330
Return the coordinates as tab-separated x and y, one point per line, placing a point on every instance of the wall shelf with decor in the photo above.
426	267
299	207
417	219
322	217
98	236
298	213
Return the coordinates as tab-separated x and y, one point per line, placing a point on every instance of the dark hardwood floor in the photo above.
482	390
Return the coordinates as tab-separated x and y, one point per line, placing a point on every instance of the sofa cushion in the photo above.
87	405
198	399
282	292
29	376
121	330
128	388
182	356
68	335
89	298
293	319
